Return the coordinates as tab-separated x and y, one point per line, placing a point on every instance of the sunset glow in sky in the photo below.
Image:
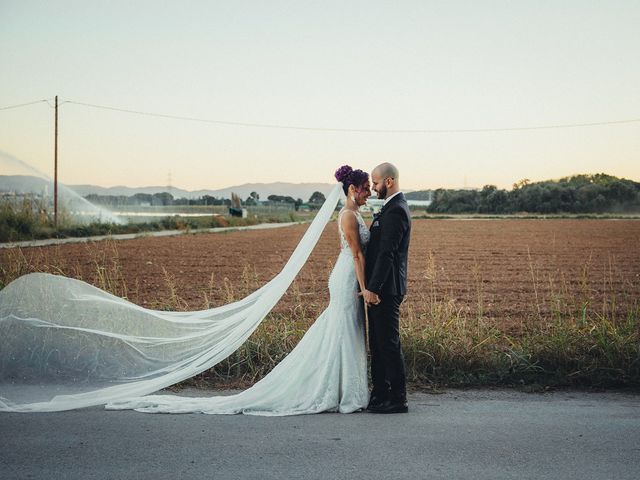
363	65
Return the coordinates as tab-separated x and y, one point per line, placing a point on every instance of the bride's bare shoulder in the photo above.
347	221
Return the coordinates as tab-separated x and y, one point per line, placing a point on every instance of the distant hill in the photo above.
295	190
23	184
31	184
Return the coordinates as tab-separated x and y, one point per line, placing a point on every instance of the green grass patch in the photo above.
29	220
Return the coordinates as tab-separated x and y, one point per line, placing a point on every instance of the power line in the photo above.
354	130
328	129
25	104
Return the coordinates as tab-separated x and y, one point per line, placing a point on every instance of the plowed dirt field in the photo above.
508	271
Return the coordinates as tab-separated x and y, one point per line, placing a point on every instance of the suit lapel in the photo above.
398	198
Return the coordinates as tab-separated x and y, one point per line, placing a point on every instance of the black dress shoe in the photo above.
390	406
375	402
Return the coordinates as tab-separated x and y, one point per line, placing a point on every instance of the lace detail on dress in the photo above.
362	229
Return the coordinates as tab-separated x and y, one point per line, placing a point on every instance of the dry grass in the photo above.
564	342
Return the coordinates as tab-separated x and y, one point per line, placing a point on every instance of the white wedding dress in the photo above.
325	372
65	344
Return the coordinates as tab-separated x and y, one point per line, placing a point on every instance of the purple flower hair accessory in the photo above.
343	173
349	176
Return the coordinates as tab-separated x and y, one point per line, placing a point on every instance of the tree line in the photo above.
165	198
576	194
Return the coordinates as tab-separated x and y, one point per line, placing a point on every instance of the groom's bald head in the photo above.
387	170
384	180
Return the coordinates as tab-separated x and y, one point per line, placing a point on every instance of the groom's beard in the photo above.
382	192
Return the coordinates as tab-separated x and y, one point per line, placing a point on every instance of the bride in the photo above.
327	370
65	344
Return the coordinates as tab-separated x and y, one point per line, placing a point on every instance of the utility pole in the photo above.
55	171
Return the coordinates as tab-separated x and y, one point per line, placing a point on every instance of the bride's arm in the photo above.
349	225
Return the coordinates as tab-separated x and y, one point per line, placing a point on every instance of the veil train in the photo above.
65	344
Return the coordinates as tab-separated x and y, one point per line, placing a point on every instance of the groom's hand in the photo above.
370	298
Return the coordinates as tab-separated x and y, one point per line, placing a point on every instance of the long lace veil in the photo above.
65	344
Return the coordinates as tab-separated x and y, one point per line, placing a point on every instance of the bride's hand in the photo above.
370	298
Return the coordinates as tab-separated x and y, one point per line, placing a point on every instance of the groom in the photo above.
386	281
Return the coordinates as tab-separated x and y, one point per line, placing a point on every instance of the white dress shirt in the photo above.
386	200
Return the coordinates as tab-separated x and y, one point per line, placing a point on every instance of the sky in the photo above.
343	65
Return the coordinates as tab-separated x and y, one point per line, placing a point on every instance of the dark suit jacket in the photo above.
387	252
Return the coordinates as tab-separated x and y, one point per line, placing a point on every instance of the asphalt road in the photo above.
459	434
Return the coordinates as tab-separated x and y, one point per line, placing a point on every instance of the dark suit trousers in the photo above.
387	359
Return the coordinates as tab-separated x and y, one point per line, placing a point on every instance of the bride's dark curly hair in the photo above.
349	176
